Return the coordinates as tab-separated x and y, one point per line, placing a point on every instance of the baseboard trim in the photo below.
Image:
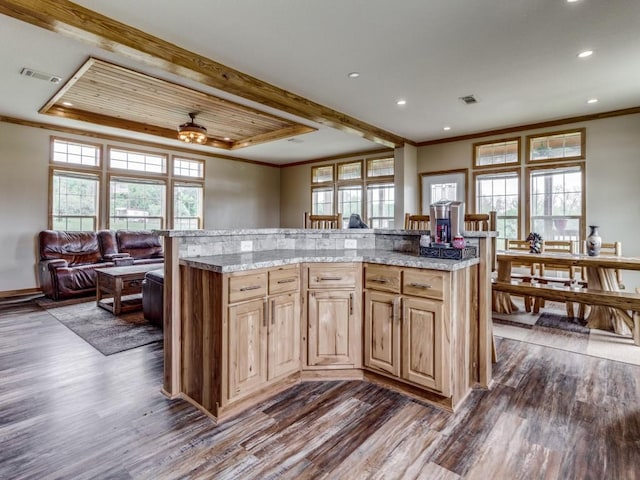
7	294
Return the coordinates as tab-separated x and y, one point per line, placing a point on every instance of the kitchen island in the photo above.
242	326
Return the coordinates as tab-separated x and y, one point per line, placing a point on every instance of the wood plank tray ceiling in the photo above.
114	96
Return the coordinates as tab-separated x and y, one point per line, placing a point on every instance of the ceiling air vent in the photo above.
469	99
29	72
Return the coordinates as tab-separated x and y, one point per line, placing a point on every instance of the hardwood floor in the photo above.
67	412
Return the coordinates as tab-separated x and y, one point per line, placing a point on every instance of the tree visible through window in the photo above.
557	203
75	201
187	207
500	192
136	205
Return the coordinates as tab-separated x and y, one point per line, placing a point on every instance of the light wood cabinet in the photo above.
333	316
263	334
247	347
406	333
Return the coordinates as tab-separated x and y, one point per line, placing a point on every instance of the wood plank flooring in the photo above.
68	412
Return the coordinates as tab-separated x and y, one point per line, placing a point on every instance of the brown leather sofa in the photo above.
68	260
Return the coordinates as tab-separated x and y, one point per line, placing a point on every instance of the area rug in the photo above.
570	324
105	332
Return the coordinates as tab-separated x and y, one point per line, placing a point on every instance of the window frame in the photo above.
531	138
98	146
513	170
138	179
87	172
172	195
477	145
139	173
333	174
548	166
187	178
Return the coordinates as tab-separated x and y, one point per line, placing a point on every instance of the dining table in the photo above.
600	275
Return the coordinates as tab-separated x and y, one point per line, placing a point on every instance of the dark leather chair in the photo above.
152	297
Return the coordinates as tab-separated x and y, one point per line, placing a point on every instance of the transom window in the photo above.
322	174
183	167
137	161
75	153
569	145
502	152
380	167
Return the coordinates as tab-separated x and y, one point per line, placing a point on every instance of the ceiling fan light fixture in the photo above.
191	132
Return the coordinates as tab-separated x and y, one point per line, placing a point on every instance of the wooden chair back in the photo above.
323	221
521	246
559	246
416	222
608	249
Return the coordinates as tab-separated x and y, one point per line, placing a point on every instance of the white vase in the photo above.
594	241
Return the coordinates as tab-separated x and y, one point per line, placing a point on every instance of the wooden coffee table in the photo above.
115	283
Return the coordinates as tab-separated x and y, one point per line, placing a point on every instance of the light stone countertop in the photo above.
300	231
237	262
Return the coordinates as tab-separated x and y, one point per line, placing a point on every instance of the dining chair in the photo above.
552	273
523	275
323	221
416	222
608	249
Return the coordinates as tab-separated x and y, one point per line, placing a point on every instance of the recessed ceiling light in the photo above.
401	102
592	100
585	54
573	1
447	128
67	104
226	139
354	75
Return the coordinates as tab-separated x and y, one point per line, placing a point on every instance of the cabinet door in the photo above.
247	347
382	332
331	328
284	335
425	339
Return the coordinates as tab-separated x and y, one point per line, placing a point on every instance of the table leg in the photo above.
117	297
607	318
501	301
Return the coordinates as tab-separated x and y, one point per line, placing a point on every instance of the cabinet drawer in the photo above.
244	287
332	277
378	277
423	283
284	280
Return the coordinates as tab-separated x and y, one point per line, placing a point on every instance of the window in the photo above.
322	201
74	201
187	206
183	167
557	202
381	205
501	152
343	189
322	174
136	204
569	145
499	191
349	201
448	185
137	161
136	195
380	167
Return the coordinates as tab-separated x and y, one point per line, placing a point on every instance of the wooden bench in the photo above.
620	300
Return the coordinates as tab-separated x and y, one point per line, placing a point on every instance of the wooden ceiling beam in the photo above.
75	21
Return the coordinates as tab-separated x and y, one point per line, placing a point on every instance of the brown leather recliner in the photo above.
142	246
67	263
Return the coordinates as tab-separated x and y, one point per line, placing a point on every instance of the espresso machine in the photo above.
446	219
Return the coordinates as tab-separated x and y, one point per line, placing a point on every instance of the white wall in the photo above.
612	176
237	195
